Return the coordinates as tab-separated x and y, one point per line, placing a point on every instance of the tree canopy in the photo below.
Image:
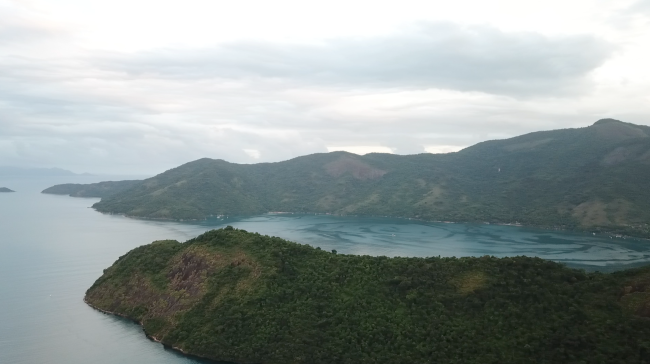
592	178
243	297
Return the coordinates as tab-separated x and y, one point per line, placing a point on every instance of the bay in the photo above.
52	248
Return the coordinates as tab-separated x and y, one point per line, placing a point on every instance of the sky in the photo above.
141	86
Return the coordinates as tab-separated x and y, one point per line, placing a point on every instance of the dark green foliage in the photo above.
101	189
592	178
306	305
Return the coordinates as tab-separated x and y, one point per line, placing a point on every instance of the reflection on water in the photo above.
52	248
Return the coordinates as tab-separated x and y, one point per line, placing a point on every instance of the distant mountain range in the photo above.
36	172
592	178
5	189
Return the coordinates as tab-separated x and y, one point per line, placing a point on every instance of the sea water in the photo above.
52	248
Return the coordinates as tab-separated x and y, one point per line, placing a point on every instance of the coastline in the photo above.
203	359
149	336
596	230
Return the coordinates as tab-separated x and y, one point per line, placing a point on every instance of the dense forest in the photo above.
242	297
101	189
592	178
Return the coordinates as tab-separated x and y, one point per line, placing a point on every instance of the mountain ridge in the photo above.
590	178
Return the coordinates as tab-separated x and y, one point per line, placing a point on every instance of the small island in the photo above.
5	189
241	297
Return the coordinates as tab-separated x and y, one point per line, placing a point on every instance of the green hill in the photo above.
588	178
246	298
101	189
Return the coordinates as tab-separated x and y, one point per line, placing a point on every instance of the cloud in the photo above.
427	55
18	27
436	149
361	149
253	153
431	86
640	7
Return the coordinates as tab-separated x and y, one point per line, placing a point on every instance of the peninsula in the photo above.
5	189
101	189
241	297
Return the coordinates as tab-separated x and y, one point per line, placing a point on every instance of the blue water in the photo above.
52	248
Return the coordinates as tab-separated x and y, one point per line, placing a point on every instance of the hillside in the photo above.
592	178
5	189
101	189
246	298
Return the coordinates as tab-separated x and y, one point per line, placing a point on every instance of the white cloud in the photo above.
361	149
253	153
436	149
114	87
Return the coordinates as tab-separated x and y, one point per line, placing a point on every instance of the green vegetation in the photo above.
101	189
246	298
593	178
5	189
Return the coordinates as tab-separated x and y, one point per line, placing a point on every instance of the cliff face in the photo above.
593	178
242	297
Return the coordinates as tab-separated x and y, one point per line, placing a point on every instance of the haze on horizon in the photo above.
142	86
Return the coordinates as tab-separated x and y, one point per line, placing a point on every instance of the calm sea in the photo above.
52	248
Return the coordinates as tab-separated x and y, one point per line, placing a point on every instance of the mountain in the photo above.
241	297
35	172
101	189
592	178
5	189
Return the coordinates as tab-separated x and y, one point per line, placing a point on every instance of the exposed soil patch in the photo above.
470	282
591	213
635	297
622	154
143	299
355	167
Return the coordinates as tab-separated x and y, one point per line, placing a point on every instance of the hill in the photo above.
101	189
246	298
5	189
592	178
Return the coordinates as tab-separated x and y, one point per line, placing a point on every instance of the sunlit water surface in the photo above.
52	248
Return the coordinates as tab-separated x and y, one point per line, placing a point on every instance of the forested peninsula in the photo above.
242	297
593	178
101	189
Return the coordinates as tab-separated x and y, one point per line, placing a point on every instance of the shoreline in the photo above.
178	350
147	335
596	231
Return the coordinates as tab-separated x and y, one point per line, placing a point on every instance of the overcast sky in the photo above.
140	86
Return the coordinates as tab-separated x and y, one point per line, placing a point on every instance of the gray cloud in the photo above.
441	55
146	112
640	7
